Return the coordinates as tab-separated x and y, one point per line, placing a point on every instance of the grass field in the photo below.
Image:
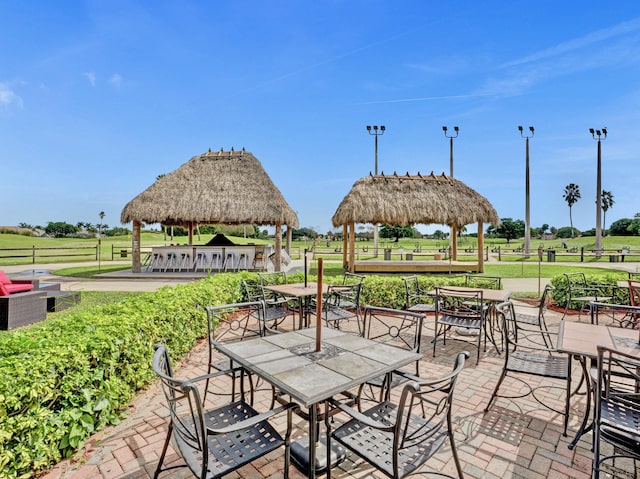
19	245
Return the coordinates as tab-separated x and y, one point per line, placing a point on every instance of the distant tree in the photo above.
567	232
307	232
119	231
544	228
553	230
634	226
25	225
607	202
439	234
60	229
510	229
621	227
387	231
571	196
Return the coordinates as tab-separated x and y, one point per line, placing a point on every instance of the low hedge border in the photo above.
66	378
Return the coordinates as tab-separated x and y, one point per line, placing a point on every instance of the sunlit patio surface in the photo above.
516	438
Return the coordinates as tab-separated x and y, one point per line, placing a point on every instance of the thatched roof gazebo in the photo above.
412	199
223	187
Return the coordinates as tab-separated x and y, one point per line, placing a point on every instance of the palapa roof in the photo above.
223	187
413	199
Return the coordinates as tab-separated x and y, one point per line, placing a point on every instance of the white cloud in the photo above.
91	77
8	97
116	80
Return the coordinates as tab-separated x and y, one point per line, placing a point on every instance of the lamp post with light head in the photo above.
601	135
376	131
453	242
527	219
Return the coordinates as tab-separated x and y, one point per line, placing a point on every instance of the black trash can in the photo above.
409	256
123	253
387	254
551	256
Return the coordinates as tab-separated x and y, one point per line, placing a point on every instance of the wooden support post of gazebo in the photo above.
345	244
136	265
352	247
480	248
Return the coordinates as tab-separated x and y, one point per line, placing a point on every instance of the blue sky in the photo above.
97	98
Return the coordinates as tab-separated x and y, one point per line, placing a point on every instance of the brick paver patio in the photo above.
517	438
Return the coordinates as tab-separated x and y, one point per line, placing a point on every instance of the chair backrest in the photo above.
232	322
487	282
424	410
349	295
397	327
634	292
618	381
545	299
459	303
411	285
351	278
253	291
576	280
267	279
185	406
514	336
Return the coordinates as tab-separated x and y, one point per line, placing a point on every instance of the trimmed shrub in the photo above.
66	378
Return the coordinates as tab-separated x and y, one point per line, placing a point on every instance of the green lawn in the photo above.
518	268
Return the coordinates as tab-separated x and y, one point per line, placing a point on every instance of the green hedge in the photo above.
66	378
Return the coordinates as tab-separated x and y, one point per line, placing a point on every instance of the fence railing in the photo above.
38	253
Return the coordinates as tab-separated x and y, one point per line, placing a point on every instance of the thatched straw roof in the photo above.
407	200
224	187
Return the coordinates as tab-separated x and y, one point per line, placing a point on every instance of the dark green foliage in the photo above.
66	378
60	229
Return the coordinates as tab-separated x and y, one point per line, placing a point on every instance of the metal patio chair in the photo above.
416	297
523	358
399	439
398	328
617	407
215	442
581	294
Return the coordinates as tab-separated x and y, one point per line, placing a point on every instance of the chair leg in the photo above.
495	391
454	451
164	451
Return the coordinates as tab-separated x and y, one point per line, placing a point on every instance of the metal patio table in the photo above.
581	340
289	362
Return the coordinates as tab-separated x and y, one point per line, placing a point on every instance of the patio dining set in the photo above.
336	385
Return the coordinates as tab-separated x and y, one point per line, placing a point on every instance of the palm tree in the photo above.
571	196
100	226
607	202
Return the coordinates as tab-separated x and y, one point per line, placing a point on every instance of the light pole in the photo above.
454	242
451	137
601	135
376	132
527	219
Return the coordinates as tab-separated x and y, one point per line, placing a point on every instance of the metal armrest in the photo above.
252	421
366	420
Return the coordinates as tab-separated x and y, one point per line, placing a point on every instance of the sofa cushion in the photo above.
3	290
4	279
18	287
